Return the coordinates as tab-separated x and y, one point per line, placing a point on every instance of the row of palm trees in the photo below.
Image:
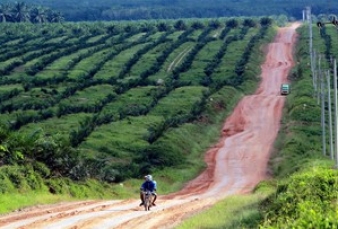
21	12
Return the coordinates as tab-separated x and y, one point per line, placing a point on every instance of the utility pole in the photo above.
319	79
309	19
330	112
322	95
313	70
335	108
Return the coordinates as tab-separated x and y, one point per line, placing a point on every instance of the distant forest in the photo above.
91	10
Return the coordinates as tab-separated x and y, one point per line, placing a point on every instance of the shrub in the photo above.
307	200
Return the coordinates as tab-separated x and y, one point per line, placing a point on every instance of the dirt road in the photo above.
235	165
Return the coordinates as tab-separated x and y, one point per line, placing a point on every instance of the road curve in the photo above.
235	165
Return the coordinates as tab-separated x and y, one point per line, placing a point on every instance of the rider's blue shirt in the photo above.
149	185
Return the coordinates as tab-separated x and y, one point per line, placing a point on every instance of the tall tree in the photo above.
38	15
5	12
55	16
180	25
21	12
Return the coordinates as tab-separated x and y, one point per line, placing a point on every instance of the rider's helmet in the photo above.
148	177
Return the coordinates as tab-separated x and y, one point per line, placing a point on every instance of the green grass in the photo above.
91	189
201	60
31	63
90	95
10	87
11	202
174	35
135	37
179	101
232	213
216	33
123	138
6	63
156	35
112	67
233	53
74	40
95	58
235	211
62	63
35	41
135	97
57	40
195	34
95	39
26	98
13	42
55	126
147	60
173	60
10	117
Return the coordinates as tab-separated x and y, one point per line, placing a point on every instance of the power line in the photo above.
319	89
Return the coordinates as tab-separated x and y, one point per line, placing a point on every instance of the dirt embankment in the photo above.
235	165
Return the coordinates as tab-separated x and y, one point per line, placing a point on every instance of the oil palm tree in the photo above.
38	15
21	12
5	12
55	16
180	25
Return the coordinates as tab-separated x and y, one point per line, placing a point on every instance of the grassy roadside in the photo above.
11	202
232	212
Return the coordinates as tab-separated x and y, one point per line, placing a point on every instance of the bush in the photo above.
20	178
307	200
6	186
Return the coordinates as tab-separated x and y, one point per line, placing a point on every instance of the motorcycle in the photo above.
148	200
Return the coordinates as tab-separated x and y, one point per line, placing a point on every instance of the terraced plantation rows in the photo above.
120	93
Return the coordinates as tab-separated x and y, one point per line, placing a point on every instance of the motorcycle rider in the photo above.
150	185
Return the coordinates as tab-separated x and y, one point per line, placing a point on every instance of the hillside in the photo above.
136	90
120	96
232	166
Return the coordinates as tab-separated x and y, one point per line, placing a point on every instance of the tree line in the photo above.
163	9
21	12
